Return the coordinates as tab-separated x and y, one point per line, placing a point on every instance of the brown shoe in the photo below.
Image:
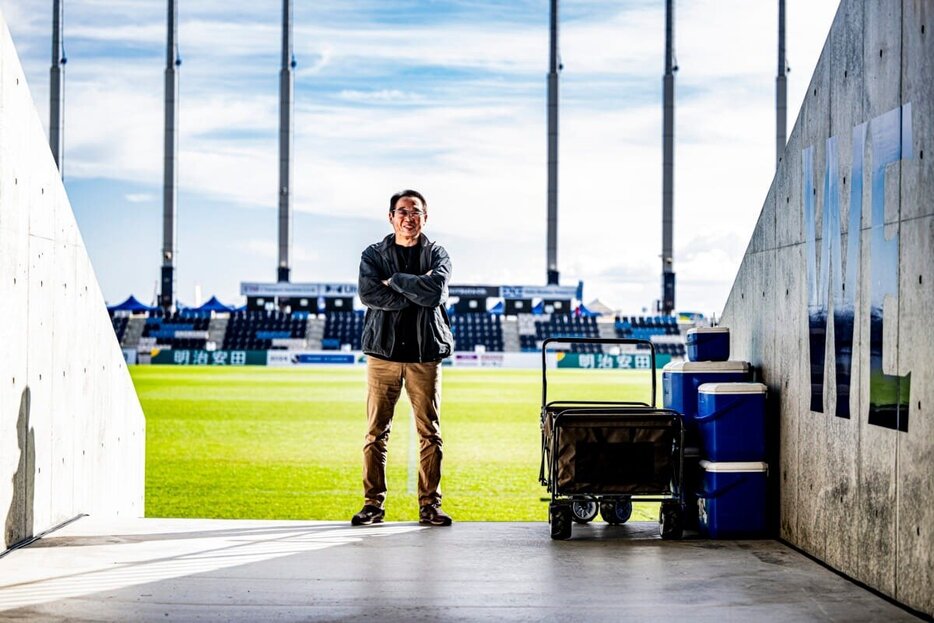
432	515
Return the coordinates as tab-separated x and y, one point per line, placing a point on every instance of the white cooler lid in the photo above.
709	330
752	466
732	388
693	367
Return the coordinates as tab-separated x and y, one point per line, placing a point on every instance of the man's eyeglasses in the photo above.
417	213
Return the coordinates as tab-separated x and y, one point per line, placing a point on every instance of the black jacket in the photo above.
428	292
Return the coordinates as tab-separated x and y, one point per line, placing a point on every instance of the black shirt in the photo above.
405	349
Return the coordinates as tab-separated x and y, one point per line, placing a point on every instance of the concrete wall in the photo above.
71	427
856	467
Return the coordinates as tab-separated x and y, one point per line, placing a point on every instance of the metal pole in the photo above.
170	165
286	84
553	69
781	89
668	136
56	90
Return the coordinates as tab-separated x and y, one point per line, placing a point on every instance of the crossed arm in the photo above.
372	289
402	289
430	289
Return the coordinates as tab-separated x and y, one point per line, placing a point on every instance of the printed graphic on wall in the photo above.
889	395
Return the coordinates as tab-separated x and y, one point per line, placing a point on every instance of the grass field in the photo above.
286	443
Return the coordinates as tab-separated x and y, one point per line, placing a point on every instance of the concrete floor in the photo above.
212	570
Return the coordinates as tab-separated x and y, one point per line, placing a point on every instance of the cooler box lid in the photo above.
732	388
693	367
752	466
708	330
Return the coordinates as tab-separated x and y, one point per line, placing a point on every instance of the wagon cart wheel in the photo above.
670	521
560	516
615	512
584	512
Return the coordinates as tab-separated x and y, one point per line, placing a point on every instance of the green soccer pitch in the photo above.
267	443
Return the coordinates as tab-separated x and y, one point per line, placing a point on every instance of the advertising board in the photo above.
603	361
183	357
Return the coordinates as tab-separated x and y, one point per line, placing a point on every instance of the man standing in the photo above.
406	333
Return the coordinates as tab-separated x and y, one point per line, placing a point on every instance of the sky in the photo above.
447	97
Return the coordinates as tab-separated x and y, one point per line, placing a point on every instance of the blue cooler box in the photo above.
681	379
731	421
732	502
708	344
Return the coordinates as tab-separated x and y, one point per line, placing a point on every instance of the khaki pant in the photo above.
422	382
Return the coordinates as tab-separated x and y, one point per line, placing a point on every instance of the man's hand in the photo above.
386	281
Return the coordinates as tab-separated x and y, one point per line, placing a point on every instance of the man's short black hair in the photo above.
414	194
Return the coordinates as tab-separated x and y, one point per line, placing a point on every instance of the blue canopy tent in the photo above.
131	305
498	308
213	305
586	313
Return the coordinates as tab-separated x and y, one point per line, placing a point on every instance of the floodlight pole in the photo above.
170	165
667	303
286	86
56	87
553	68
781	89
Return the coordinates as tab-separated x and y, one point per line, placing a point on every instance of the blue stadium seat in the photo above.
343	327
255	330
472	329
565	325
163	326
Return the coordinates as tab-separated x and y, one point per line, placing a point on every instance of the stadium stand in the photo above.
177	330
535	329
661	330
342	327
675	350
336	330
650	328
644	327
477	329
119	324
469	329
261	330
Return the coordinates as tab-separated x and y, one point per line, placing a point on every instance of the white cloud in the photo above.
455	108
320	59
269	249
382	95
152	33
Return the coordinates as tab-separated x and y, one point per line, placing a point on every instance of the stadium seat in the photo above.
164	326
342	327
472	329
119	325
256	330
645	327
563	325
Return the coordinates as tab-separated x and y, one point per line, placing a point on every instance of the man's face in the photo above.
408	218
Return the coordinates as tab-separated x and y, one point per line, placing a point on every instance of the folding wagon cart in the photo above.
600	456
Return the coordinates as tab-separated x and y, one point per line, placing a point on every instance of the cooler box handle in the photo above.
717	413
718	492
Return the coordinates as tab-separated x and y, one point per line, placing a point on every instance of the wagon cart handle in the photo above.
592	340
